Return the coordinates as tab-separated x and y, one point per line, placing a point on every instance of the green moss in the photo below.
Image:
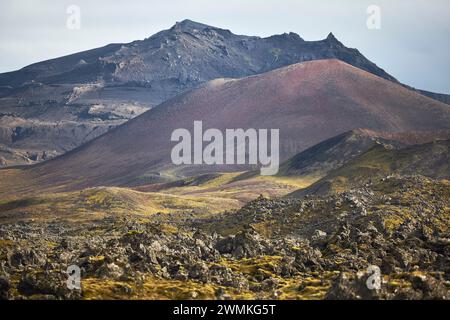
392	223
95	259
254	266
155	289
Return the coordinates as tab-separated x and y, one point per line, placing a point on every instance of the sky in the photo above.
412	42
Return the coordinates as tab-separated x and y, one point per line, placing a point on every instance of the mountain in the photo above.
328	155
51	107
430	159
333	153
187	54
309	102
436	96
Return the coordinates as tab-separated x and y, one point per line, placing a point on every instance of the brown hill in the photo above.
308	102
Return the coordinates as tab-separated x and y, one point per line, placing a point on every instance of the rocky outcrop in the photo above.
324	247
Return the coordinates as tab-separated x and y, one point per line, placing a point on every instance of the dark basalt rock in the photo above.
318	245
5	286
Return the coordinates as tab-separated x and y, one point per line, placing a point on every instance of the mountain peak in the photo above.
331	37
190	25
333	41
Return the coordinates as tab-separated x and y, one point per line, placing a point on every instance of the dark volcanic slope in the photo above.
430	159
328	155
185	55
53	106
308	102
333	153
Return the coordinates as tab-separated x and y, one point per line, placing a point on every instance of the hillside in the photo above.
333	153
430	159
51	107
308	102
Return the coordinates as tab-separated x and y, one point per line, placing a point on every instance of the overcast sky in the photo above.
413	43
